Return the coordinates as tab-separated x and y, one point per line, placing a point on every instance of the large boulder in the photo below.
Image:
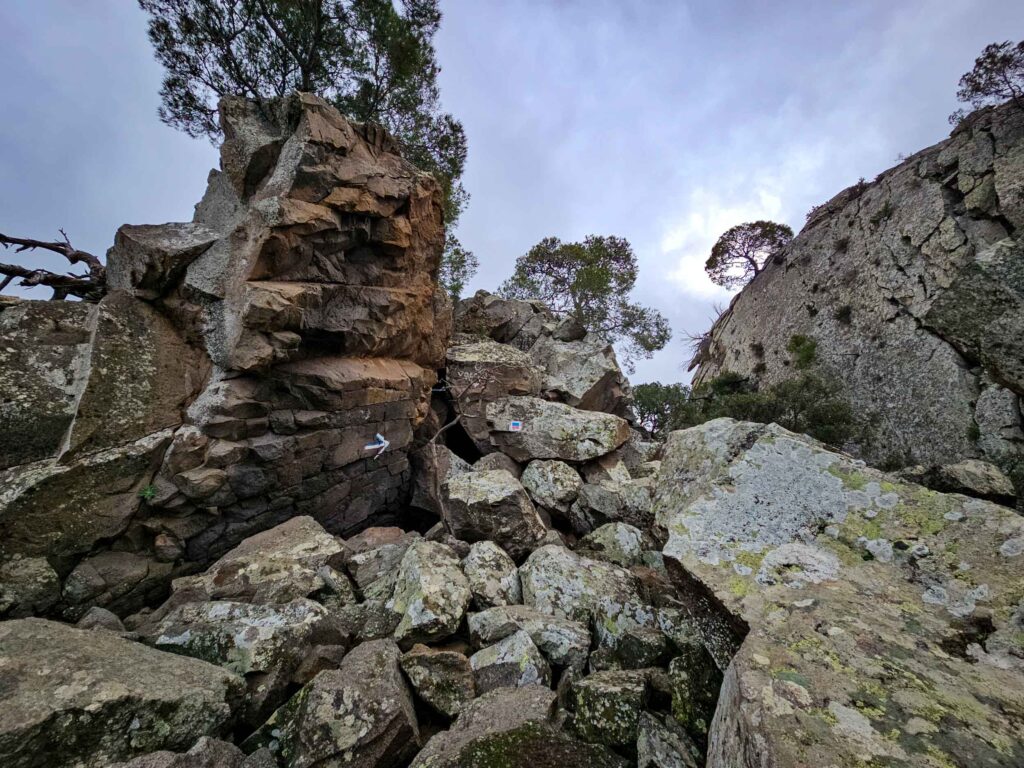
553	485
512	661
493	576
432	465
75	697
205	753
604	596
282	564
549	430
508	321
563	642
431	594
360	715
583	374
512	728
856	617
607	706
492	506
442	678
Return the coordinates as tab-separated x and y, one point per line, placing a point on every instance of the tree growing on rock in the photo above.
997	77
661	408
590	282
742	251
373	59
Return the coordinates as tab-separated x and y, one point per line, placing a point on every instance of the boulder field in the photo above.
272	503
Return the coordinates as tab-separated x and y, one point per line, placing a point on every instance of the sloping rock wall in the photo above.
912	287
235	373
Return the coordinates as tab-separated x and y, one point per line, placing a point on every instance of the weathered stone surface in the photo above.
431	593
75	697
553	485
44	364
905	283
491	506
492	575
28	585
600	503
270	341
376	554
563	642
432	466
282	564
617	543
507	321
442	678
583	374
552	430
359	715
660	743
607	706
206	753
100	618
483	371
148	260
858	616
125	581
602	595
498	461
512	661
970	476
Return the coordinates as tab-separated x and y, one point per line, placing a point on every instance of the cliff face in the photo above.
233	375
913	288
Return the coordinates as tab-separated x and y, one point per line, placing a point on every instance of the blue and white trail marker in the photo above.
380	445
515	426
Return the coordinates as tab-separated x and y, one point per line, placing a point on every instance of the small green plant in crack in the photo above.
147	492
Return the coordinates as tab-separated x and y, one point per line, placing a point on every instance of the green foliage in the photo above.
147	492
458	266
591	281
373	59
804	350
811	403
997	76
741	253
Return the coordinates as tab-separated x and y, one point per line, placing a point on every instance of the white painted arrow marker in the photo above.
380	446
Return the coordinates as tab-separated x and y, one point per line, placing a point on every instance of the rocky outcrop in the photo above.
236	372
74	697
856	617
912	287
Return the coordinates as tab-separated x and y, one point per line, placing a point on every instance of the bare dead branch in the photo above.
88	287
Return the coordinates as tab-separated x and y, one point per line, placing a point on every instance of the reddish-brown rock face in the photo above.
295	319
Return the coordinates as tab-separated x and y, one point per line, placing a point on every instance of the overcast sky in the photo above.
662	122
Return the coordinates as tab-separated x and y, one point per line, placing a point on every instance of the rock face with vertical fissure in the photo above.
237	369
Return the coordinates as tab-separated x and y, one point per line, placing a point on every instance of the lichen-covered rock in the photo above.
483	371
360	715
442	678
563	642
205	753
28	586
660	743
553	485
513	661
583	374
275	566
432	466
617	543
600	503
431	594
607	706
74	697
972	477
492	506
493	576
498	461
552	430
507	321
374	559
859	617
912	288
604	596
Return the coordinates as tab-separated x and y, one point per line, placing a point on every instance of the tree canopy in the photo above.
373	59
741	253
997	76
591	281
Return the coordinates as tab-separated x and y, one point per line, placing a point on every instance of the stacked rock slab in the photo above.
859	620
912	287
236	372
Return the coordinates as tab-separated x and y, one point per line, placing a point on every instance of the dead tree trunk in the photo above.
88	287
